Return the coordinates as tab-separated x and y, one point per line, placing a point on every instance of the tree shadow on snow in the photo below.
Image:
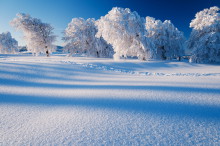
132	105
22	83
136	105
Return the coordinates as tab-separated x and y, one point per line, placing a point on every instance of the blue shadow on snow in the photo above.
133	105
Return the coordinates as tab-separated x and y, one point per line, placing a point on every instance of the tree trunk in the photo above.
47	52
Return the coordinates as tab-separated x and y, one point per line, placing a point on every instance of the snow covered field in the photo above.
86	101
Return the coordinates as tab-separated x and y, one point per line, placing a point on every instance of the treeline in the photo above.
122	33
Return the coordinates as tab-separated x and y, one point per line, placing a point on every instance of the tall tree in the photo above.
38	35
80	37
204	40
125	30
168	40
7	43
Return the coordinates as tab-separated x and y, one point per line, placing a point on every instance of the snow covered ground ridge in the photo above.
106	68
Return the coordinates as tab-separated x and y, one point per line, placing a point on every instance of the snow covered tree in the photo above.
80	38
204	40
104	49
168	40
7	43
125	30
38	35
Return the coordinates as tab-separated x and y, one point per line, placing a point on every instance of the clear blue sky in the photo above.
60	12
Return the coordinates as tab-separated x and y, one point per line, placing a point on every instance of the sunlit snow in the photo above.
62	100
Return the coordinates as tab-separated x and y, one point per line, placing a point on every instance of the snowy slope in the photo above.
85	101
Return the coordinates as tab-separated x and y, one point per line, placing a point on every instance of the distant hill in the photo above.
59	49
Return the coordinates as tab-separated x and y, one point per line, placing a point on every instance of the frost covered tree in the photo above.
7	43
125	30
38	35
204	40
168	40
80	37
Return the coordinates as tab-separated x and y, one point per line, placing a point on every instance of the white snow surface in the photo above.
85	101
